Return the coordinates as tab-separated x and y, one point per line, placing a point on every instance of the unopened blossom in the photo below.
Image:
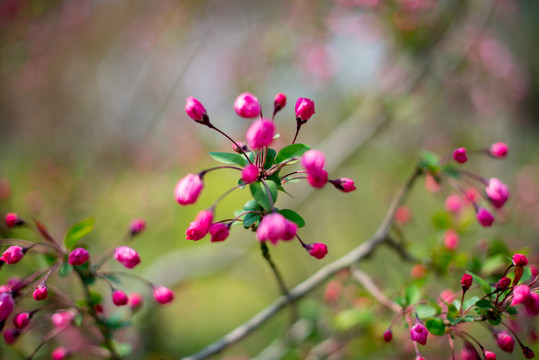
403	215
451	239
469	353
247	106
505	341
344	184
419	334
498	150
484	217
489	355
532	304
503	284
520	294
290	231
188	189
10	335
260	133
497	192
317	179
40	293
135	301
466	281
250	173
6	305
60	353
272	227
304	109
127	256
527	352
460	155
201	226
78	256
388	335
61	319
520	260
313	161
12	255
195	110
219	232
119	298
137	226
279	102
163	295
21	320
12	219
317	250
453	203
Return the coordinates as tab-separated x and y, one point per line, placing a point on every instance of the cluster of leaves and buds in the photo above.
263	172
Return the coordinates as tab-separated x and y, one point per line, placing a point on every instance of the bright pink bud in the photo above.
318	179
472	195
388	335
99	308
344	184
13	255
219	232
460	155
137	226
403	215
260	133
163	295
250	173
60	353
127	256
453	203
247	106
317	250
447	295
498	150
78	256
431	183
279	102
527	352
6	305
469	353
10	335
520	260
503	284
304	109
451	239
489	355
419	357
484	217
62	319
290	232
419	334
240	147
119	298
313	161
521	293
21	320
40	293
534	270
466	281
195	110
497	192
505	341
12	219
200	227
272	227
135	301
188	189
532	304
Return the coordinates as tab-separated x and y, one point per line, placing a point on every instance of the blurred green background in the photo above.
92	124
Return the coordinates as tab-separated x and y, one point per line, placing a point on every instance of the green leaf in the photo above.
452	310
485	287
293	216
441	220
270	156
435	326
229	158
113	278
291	151
77	231
425	310
412	294
494	319
483	304
511	310
116	321
250	219
123	349
429	161
350	318
526	274
260	193
95	298
451	171
251	205
65	269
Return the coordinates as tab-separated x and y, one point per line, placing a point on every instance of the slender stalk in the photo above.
297	132
211	126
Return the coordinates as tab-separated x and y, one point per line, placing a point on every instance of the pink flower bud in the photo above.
195	110
163	295
200	227
489	355
484	217
78	256
388	335
472	195
272	227
451	239
60	353
12	255
250	173
279	102
188	189
520	260
40	293
137	226
127	256
304	109
460	155
503	284
466	281
21	320
403	215
498	150
447	295
6	305
10	335
333	291
62	319
453	203
419	357
469	353
527	352
344	184
135	301
313	161
497	192
505	341
317	250
290	231
247	106
119	298
419	334
12	219
260	133
532	304
534	270
431	183
318	179
240	147
219	232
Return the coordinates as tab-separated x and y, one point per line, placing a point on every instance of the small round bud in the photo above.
313	161
40	293
521	294
272	227
196	110
137	226
419	334
527	352
451	240
240	147
290	231
505	341
484	217
489	355
520	260
219	232
344	184
60	353
78	256
460	155
247	106
200	227
498	150
250	173
317	179
503	284
497	192
469	353
317	250
260	133
304	109
466	281
279	102
21	320
127	256
119	298
62	319
10	335
403	215
135	301
388	335
12	255
6	305
12	219
163	295
453	203
188	189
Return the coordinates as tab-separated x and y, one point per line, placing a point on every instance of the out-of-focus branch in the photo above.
371	287
353	257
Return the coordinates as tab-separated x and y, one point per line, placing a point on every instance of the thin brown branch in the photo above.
371	287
